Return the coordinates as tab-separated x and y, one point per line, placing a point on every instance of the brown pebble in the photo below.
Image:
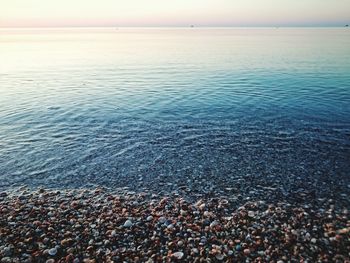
66	242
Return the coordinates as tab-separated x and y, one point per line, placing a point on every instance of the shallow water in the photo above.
140	107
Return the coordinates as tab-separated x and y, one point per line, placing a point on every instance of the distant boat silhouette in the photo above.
346	25
192	25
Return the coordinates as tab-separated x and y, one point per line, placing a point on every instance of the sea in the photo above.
164	109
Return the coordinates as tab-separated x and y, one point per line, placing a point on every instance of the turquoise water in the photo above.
146	107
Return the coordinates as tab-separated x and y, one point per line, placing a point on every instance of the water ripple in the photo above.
215	104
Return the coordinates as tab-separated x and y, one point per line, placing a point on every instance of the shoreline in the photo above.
97	225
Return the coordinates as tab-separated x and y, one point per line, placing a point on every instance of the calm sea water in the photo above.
114	106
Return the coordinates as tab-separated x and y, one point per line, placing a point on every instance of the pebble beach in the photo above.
100	225
174	144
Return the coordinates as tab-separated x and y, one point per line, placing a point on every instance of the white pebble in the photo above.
178	255
52	251
251	213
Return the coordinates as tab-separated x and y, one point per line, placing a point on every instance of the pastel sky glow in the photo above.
46	13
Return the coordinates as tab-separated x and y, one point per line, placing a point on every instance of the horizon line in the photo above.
174	26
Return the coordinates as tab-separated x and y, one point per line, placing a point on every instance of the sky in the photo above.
59	13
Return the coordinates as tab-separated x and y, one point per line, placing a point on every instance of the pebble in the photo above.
219	257
93	227
52	251
66	242
206	214
214	224
251	213
6	260
162	220
178	255
195	251
344	230
128	223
